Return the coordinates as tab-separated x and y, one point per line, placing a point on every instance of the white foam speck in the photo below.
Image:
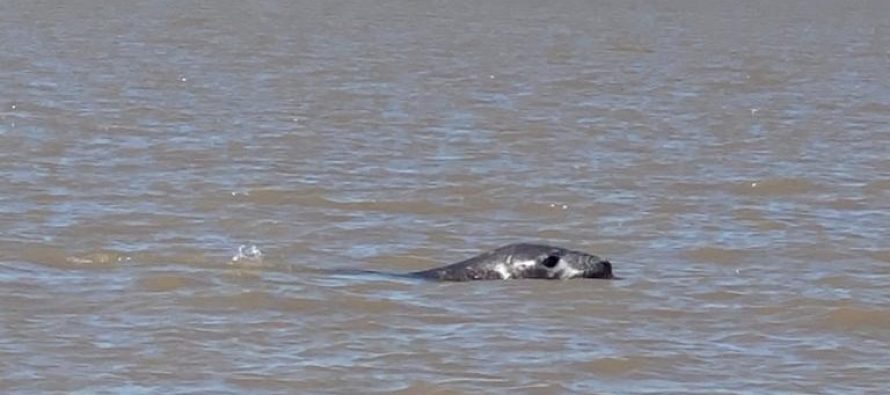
522	265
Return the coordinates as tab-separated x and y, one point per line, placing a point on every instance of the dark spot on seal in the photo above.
550	261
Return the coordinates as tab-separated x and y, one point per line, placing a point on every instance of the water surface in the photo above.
732	160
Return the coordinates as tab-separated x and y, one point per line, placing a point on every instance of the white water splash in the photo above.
248	254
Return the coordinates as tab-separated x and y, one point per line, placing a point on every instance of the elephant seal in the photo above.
523	260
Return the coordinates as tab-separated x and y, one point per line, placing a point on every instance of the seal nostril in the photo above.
550	261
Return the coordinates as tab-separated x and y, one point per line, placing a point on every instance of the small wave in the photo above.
56	257
165	282
881	255
615	366
854	318
98	258
877	187
777	187
717	254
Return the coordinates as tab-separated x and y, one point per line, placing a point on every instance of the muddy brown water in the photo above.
731	158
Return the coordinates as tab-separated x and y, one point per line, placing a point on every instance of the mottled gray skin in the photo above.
523	261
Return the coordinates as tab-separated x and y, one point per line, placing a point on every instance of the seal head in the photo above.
524	260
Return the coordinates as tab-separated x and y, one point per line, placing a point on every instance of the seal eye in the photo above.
550	261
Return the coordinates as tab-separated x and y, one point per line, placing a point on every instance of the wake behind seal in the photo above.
523	260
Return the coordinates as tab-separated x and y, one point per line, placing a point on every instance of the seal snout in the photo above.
606	271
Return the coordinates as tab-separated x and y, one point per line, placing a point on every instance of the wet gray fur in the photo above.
523	260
